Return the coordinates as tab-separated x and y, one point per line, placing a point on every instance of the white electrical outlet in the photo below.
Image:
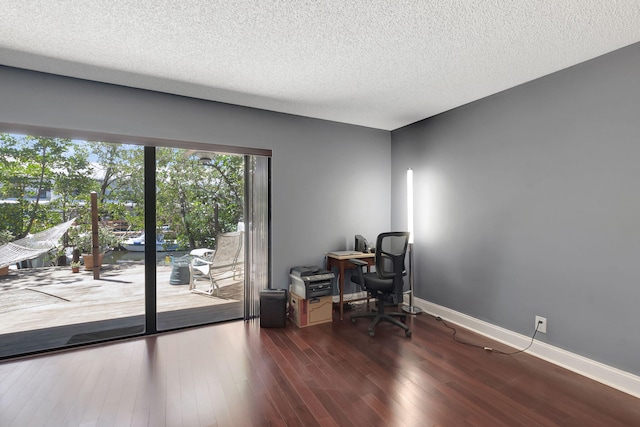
541	324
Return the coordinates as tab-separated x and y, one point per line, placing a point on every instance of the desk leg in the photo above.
341	285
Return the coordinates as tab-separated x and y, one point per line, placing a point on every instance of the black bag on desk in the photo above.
273	308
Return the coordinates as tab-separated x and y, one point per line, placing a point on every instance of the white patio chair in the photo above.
211	268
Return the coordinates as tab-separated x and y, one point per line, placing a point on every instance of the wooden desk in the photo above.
340	260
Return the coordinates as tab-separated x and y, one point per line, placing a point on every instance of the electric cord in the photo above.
490	349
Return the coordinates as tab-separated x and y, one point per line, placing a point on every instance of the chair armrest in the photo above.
357	262
199	261
202	252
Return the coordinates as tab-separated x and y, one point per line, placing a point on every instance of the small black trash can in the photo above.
273	308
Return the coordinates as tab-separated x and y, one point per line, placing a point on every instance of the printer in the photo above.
311	281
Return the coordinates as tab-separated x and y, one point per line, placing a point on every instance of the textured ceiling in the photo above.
382	64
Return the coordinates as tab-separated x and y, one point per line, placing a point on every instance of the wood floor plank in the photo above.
56	408
237	374
98	387
34	388
265	368
16	373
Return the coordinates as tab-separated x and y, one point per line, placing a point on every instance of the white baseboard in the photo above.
613	377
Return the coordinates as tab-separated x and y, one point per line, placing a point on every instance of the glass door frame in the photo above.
150	145
263	277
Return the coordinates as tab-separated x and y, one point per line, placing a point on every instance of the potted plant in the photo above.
75	266
81	238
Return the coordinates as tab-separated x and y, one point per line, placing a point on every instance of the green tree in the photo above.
121	176
30	166
5	237
197	201
73	183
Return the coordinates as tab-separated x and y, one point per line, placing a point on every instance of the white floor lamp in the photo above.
411	309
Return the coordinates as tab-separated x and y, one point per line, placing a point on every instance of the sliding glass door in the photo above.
61	202
182	234
199	237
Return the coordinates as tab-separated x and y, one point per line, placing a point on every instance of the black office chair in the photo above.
386	283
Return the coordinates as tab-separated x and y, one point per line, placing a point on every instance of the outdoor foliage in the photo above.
6	237
194	202
121	182
198	202
29	167
81	239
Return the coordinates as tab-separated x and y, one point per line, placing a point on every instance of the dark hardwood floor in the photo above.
236	374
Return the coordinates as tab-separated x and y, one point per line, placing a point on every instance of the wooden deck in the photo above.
52	307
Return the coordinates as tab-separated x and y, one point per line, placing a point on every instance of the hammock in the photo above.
32	246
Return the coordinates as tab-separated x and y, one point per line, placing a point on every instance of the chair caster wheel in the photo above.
372	334
407	334
353	320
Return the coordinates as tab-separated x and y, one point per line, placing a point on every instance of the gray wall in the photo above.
528	203
320	198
